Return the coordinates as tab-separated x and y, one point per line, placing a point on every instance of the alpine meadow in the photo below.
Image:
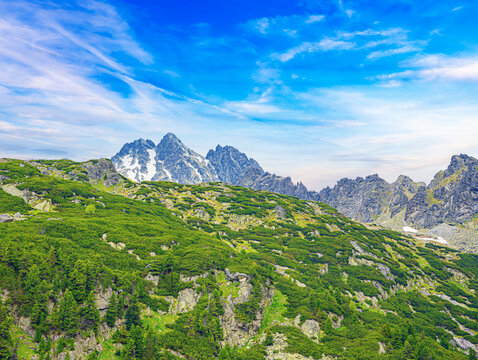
238	180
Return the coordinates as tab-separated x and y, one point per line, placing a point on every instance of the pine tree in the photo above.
132	315
328	327
471	354
129	350
137	336
5	338
150	345
112	311
120	307
90	314
68	314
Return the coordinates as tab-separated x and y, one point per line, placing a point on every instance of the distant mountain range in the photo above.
446	208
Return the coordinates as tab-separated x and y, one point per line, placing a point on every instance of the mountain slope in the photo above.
158	270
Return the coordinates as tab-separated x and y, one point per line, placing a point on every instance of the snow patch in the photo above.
168	174
150	166
409	229
438	239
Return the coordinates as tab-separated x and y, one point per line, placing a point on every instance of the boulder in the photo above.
4	218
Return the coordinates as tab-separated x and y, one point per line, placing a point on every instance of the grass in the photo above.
26	345
157	321
273	312
109	350
232	289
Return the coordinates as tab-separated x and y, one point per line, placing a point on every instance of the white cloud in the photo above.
314	18
58	70
313	47
389	52
438	67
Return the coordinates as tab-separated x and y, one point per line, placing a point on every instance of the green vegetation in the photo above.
134	267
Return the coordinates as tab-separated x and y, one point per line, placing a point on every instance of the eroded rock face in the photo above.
236	276
102	299
452	196
4	218
258	180
36	201
463	344
277	350
366	198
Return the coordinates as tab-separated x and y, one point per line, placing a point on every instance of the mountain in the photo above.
365	199
136	160
96	266
231	164
447	207
176	162
258	180
451	197
170	160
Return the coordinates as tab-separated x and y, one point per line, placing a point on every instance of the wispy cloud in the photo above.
437	67
290	24
68	80
313	47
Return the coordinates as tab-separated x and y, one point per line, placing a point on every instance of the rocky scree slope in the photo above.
161	270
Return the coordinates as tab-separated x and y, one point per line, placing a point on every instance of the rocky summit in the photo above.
231	164
176	162
170	160
136	160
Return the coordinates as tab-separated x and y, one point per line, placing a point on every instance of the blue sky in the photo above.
314	89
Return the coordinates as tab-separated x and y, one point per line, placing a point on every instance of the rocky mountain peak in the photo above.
176	162
459	162
135	160
230	163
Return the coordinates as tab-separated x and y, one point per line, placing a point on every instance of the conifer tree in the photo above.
112	311
68	314
90	314
5	337
132	314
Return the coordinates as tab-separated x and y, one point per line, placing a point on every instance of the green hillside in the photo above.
98	267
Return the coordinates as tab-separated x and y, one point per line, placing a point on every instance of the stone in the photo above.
4	218
311	329
102	299
187	300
